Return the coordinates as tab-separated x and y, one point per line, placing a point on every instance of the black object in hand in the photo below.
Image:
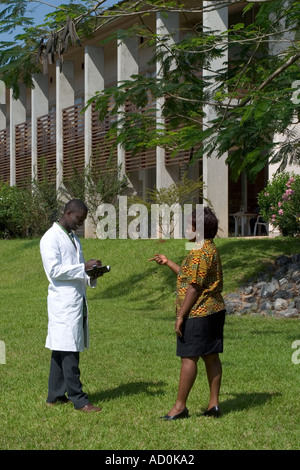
97	271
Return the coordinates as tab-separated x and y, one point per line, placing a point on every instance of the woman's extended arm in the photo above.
162	259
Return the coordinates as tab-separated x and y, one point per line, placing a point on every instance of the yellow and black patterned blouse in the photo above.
202	267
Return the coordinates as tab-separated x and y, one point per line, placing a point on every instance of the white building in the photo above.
45	123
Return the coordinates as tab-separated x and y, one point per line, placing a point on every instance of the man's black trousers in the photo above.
64	378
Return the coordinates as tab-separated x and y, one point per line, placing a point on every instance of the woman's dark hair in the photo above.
210	222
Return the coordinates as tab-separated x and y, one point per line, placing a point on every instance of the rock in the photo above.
244	311
233	307
282	281
297	303
248	290
280	273
266	306
297	280
296	276
281	304
233	296
289	313
263	278
279	296
260	285
295	258
268	289
293	269
282	260
282	294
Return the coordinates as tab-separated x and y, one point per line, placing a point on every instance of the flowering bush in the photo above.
279	203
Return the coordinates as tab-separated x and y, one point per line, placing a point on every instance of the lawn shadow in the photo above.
131	388
245	401
131	284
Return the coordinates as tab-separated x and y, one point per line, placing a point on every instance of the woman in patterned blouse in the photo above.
200	316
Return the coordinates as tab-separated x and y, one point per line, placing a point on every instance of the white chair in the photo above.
260	221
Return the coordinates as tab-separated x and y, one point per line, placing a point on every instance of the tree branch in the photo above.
266	82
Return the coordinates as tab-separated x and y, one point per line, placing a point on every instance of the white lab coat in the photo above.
64	267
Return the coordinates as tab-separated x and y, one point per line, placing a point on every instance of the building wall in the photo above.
47	119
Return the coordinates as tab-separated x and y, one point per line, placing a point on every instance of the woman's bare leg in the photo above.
188	374
213	367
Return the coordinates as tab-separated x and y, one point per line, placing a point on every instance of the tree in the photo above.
256	94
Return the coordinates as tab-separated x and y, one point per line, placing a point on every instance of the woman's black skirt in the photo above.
202	335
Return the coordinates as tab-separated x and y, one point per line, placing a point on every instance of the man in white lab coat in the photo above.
68	334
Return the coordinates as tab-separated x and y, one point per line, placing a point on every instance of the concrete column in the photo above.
165	26
127	65
17	116
39	107
215	170
64	98
2	106
93	81
277	48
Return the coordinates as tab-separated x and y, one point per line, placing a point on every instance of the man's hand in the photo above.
90	264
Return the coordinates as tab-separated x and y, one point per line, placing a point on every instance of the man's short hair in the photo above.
75	205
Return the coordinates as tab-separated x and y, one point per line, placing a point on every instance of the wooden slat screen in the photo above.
46	146
4	156
73	140
101	148
144	159
23	153
182	158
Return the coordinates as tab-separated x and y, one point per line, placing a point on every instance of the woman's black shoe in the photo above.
182	414
214	411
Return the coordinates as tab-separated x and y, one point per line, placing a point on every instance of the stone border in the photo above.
275	293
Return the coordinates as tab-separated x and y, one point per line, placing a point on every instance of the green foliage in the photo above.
174	197
21	57
45	204
12	206
252	96
27	211
279	203
183	192
95	185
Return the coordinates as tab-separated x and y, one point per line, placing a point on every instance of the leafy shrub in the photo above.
44	206
28	211
279	203
180	193
12	208
31	210
95	185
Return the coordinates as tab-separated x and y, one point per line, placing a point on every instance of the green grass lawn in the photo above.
131	368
